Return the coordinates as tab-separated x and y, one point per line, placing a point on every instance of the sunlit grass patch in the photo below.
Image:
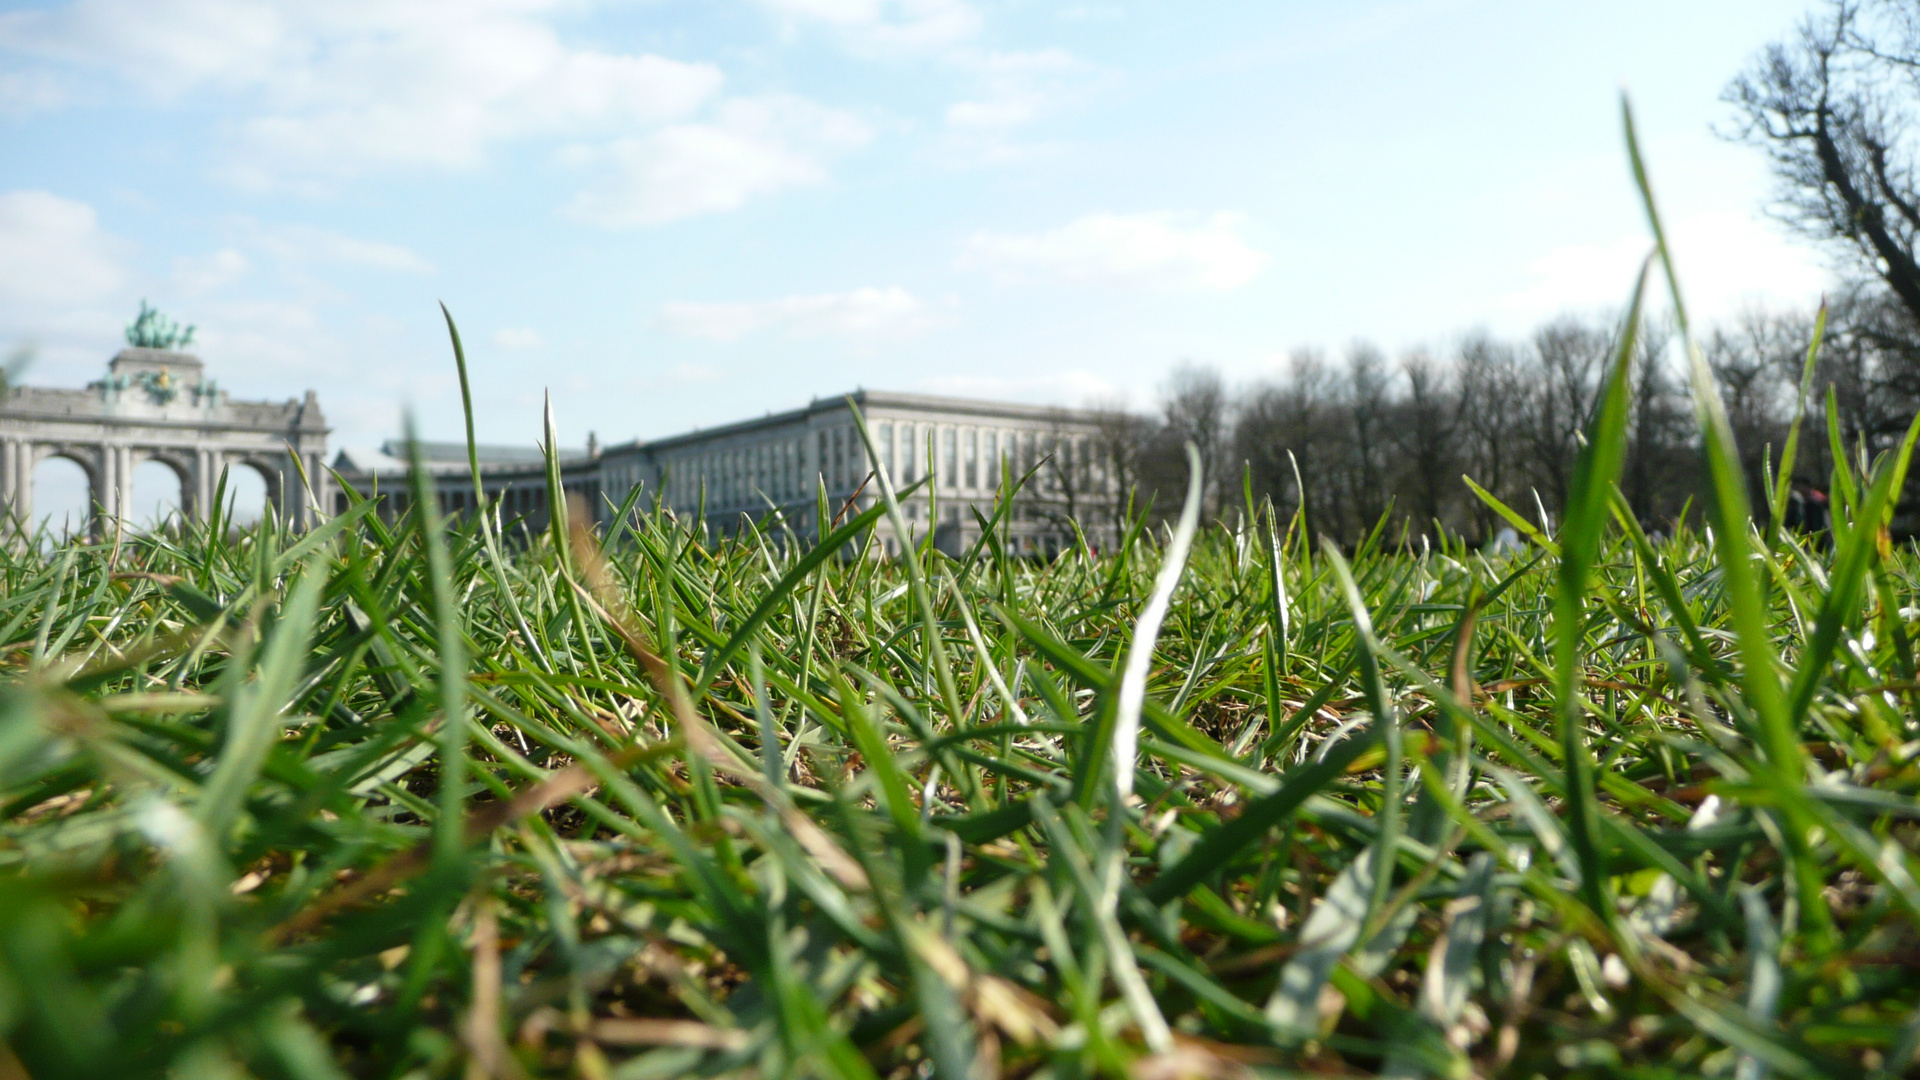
404	800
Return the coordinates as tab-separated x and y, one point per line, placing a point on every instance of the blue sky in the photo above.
674	214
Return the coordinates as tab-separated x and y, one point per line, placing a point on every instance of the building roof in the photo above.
445	457
435	453
868	400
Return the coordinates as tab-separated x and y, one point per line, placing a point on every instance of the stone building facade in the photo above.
512	477
963	454
965	451
158	405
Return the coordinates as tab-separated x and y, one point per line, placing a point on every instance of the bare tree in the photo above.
1367	407
1195	401
1120	438
1659	466
1756	363
1833	106
1063	473
1425	436
1493	388
1871	360
1571	354
1290	426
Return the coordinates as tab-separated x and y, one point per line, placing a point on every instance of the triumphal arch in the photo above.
156	404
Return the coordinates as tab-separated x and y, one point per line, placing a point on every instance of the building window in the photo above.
908	455
973	459
993	459
886	451
950	457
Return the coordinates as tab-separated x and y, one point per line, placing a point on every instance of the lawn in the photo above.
424	799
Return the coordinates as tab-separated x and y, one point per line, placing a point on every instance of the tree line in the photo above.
1362	436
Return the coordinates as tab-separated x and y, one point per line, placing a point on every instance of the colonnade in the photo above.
110	467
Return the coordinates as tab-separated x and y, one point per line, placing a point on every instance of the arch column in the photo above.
16	486
203	484
124	472
101	490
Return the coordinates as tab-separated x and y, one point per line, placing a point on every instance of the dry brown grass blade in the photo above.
162	580
569	782
641	1031
580	779
1461	669
487	1054
606	602
10	1067
852	501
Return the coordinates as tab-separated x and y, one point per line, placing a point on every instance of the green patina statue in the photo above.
153	330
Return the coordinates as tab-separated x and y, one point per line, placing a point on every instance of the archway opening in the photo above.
62	498
246	497
155	498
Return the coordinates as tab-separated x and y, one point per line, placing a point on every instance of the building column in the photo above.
318	506
17	479
122	481
9	474
296	492
203	482
23	486
104	487
210	469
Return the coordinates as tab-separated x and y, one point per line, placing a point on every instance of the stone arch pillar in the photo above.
16	485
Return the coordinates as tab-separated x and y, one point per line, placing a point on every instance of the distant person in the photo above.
1808	510
1819	513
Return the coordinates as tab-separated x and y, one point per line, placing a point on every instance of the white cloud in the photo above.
304	243
753	147
1161	250
518	337
868	312
53	251
316	94
1010	91
1725	260
199	275
339	88
1015	88
887	27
